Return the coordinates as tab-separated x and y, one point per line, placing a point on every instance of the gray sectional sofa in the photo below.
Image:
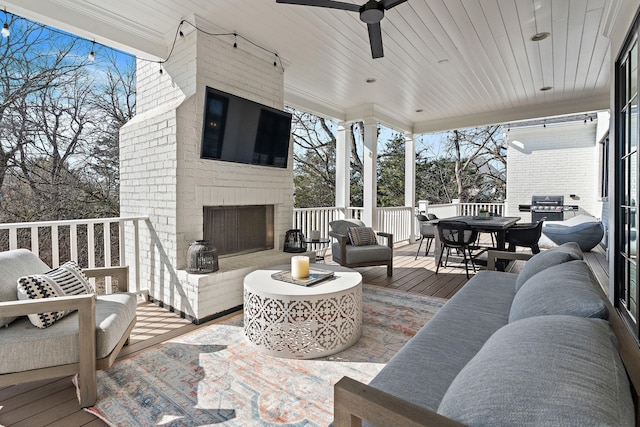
534	348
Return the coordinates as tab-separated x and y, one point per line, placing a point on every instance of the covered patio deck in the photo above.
53	402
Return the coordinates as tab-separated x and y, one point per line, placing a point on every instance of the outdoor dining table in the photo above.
493	224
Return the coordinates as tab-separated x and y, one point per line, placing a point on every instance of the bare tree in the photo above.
482	152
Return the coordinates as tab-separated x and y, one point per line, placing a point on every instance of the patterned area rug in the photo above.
215	376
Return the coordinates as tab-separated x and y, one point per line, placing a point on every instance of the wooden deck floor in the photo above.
53	402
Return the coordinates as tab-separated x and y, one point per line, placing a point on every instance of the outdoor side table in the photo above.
320	246
289	320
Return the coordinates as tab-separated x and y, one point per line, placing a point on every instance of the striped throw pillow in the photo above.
68	279
362	236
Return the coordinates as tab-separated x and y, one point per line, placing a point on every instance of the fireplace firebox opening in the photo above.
236	230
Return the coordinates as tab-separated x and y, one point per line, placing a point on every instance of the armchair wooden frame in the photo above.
355	401
343	239
88	364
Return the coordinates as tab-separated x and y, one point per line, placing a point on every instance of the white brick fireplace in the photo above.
162	175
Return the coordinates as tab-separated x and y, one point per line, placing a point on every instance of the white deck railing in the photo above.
397	220
91	243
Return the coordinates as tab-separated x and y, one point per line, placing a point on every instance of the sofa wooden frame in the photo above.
343	239
355	401
88	364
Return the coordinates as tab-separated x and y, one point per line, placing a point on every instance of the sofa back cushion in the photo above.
13	265
546	370
569	288
545	259
341	226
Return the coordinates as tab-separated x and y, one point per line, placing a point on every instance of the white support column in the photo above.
410	179
370	183
343	167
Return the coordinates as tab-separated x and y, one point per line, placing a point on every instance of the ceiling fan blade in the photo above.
388	4
324	3
375	39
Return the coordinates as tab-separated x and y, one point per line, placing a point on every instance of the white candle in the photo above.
300	267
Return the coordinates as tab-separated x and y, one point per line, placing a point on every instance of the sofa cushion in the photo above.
68	279
569	288
546	259
13	265
362	236
424	368
29	347
547	370
341	226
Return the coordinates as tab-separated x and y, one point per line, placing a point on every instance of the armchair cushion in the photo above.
28	347
13	265
68	279
362	254
362	236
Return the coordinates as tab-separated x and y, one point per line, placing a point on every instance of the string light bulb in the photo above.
275	60
235	40
92	54
5	30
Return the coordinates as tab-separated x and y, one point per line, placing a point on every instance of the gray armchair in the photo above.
348	255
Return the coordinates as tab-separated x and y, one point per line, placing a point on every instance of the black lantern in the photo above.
294	242
202	258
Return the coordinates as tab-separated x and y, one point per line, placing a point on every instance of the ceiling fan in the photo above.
371	13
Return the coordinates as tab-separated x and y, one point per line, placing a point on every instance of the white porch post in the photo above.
370	184
343	167
410	179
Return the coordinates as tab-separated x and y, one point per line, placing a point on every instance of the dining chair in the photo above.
526	235
427	231
456	235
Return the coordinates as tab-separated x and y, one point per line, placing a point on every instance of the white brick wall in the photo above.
162	175
561	159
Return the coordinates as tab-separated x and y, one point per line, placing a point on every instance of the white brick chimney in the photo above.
163	177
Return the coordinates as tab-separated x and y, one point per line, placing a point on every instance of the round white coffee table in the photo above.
288	320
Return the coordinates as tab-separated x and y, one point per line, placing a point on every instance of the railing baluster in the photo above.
91	246
106	242
35	243
55	246
136	248
13	238
73	236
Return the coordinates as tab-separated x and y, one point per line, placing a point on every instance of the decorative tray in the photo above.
315	276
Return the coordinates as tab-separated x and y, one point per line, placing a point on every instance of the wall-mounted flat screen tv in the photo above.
243	131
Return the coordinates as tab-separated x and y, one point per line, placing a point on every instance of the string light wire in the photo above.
179	33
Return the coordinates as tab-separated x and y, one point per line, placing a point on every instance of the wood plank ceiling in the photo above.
461	62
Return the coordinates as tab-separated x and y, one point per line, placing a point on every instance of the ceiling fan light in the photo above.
371	12
540	36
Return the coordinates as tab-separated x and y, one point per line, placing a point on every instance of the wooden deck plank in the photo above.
53	402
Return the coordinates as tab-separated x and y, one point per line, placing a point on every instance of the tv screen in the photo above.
242	131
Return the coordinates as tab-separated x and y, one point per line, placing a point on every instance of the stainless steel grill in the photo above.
549	207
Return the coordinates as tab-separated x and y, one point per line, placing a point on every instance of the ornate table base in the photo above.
303	326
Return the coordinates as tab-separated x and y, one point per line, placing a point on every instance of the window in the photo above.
627	196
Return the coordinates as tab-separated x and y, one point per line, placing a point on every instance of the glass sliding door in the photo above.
627	133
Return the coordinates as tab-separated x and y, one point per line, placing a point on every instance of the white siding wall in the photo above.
162	174
561	159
